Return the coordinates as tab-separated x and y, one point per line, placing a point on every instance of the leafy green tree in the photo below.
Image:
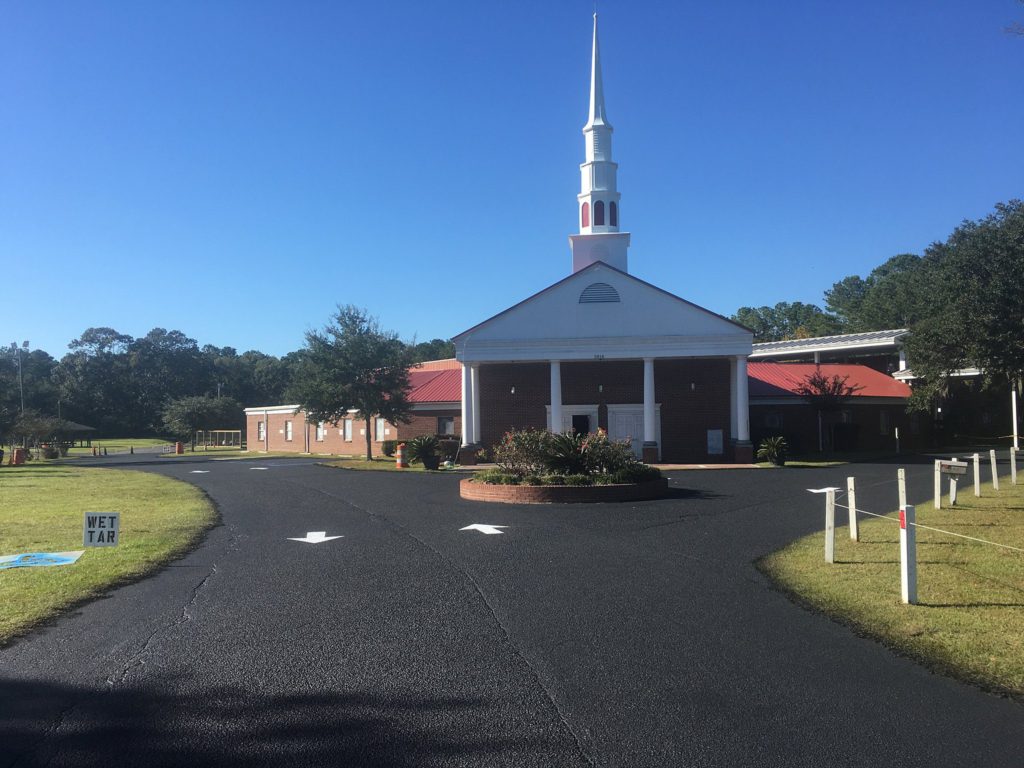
890	296
184	416
353	364
33	427
827	394
975	283
435	349
787	320
96	385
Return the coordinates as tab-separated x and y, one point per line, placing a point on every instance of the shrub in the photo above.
554	480
485	456
567	454
495	477
637	473
577	480
773	449
522	452
606	456
448	448
422	447
388	447
533	480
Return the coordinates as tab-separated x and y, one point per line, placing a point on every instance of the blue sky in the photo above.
235	170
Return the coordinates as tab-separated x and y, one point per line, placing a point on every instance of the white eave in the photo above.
963	373
268	409
846	342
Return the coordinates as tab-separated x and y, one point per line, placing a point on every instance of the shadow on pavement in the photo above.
46	723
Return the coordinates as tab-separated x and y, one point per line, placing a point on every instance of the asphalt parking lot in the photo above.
605	635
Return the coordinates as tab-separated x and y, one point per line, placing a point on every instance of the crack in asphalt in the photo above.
136	661
401	529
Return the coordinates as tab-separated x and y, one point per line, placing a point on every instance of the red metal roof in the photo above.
438	386
783	379
437	365
765	379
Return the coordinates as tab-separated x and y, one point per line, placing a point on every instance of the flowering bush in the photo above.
523	452
537	457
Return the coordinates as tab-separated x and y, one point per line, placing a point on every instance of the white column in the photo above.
650	433
556	397
742	401
733	420
467	406
474	384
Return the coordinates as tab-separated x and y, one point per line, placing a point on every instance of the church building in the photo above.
604	349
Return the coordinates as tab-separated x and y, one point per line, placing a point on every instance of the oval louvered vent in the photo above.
599	293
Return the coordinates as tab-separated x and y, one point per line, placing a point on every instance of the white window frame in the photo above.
288	430
320	431
379	429
261	431
447	420
348	430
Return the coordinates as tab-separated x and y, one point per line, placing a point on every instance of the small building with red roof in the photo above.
869	419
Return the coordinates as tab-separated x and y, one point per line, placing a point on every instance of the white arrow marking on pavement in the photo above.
200	472
483	528
263	468
821	490
315	537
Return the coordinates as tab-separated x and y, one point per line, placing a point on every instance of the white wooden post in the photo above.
995	473
1013	411
977	475
851	497
1013	465
901	482
938	485
952	488
908	556
830	525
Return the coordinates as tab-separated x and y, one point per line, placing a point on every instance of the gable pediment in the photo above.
601	307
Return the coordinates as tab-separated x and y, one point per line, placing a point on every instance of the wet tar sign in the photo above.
101	529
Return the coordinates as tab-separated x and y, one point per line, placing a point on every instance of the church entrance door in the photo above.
626	425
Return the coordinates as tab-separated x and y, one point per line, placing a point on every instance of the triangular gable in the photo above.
642	310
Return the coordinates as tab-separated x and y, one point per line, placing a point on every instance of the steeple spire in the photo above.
599	238
597	116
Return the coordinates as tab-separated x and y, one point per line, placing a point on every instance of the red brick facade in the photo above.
562	494
860	425
694	398
305	436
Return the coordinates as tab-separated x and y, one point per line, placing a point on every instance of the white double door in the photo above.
626	422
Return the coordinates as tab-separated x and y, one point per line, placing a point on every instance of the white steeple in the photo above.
598	201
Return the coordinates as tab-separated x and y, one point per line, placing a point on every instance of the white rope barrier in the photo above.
937	530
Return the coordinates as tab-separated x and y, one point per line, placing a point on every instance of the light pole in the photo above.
21	378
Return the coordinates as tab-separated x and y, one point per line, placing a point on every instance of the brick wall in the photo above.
687	412
694	397
423	423
798	423
501	409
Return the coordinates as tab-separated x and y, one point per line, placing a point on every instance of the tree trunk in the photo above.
369	452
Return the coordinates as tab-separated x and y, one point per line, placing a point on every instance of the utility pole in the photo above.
21	379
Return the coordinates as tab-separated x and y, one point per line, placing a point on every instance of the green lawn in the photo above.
120	445
42	511
970	620
379	463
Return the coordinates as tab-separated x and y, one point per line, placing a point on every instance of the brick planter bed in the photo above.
562	494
